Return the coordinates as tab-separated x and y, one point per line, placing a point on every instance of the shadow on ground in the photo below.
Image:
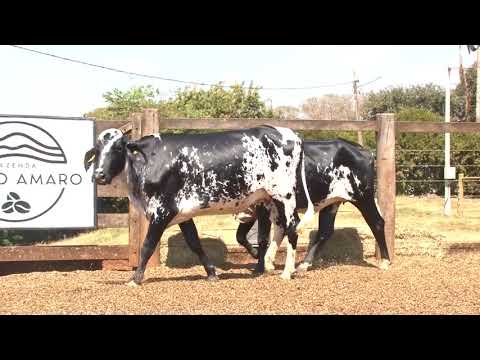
345	247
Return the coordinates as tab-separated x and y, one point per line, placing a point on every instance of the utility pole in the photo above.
448	202
355	101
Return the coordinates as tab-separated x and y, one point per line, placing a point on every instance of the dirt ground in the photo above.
413	285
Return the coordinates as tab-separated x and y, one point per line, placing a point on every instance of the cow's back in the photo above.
327	160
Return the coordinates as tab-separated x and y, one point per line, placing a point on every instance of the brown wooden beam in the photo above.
112	220
228	123
53	253
101	125
431	127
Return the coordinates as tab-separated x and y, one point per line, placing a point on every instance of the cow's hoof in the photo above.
132	283
286	276
384	264
269	268
303	267
258	271
212	278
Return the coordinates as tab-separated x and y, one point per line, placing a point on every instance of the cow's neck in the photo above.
134	185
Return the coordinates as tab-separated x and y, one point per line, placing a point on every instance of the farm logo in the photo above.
33	171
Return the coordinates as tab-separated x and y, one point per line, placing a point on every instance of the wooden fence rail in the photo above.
147	122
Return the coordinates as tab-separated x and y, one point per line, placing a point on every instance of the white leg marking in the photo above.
289	263
132	283
303	266
273	247
384	264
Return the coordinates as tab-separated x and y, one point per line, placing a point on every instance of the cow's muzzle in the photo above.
102	179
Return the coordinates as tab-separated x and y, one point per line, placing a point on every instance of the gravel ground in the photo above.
413	285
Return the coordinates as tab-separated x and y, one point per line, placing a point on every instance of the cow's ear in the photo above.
134	149
132	146
89	158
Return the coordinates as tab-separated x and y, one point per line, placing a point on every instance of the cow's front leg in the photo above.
155	230
289	268
190	234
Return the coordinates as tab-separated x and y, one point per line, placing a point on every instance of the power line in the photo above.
378	78
177	80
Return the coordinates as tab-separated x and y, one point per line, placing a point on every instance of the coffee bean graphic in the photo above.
7	205
22	207
17	205
13	196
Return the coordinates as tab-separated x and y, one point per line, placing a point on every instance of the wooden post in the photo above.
460	195
386	189
145	123
134	216
150	125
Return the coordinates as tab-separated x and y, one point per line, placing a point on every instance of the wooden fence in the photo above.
140	124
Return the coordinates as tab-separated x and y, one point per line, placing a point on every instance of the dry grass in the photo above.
413	285
421	217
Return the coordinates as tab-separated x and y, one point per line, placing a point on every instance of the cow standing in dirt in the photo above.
337	171
173	178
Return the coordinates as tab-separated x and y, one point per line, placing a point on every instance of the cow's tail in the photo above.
309	214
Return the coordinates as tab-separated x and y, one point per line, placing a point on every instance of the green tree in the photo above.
428	97
459	95
286	112
216	102
122	103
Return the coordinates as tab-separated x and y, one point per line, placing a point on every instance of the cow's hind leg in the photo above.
369	210
190	234
242	232
263	235
326	222
154	233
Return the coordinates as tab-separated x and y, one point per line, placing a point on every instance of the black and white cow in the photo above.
337	171
173	178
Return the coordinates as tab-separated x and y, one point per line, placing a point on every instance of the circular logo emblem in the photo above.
33	173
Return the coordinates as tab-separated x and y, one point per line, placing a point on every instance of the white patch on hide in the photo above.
378	207
340	185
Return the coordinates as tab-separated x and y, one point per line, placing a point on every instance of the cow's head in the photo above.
108	155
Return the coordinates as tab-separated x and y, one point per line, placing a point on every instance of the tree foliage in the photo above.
215	102
329	107
429	97
459	95
286	112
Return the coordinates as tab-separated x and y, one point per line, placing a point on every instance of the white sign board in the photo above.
43	183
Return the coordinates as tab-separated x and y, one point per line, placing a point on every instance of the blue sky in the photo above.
37	84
